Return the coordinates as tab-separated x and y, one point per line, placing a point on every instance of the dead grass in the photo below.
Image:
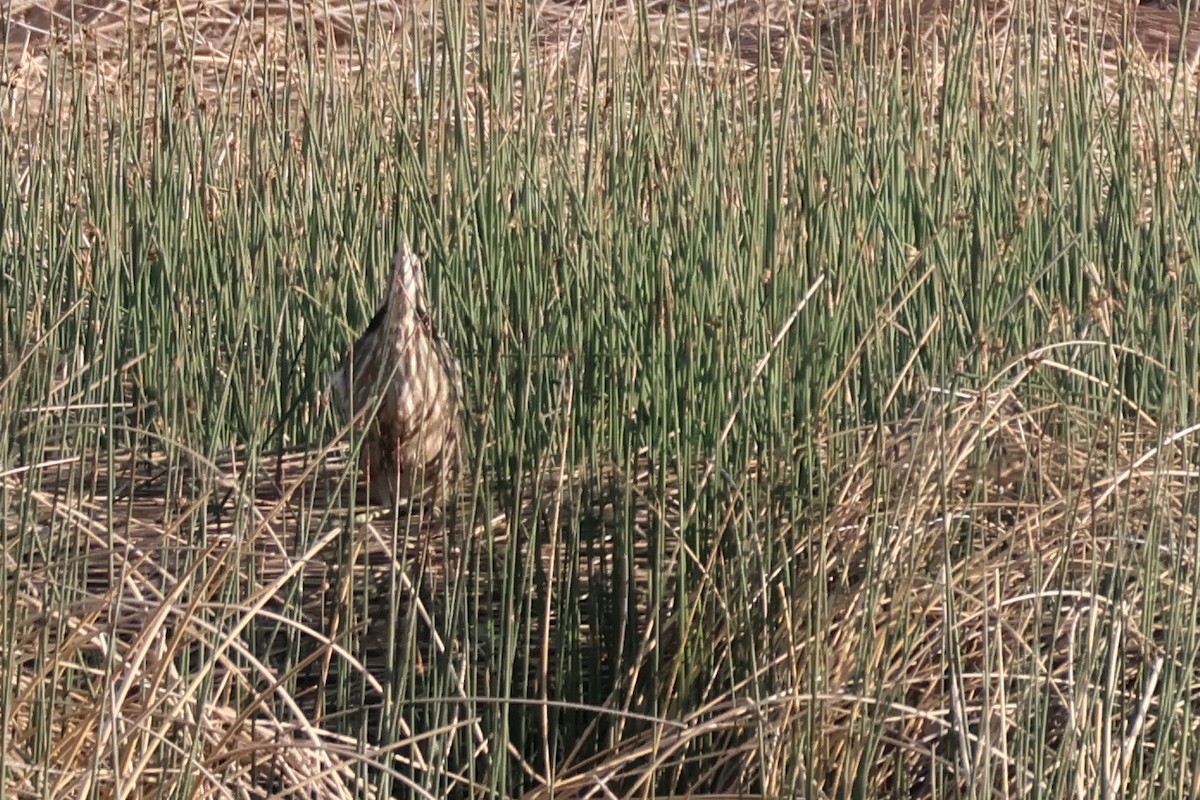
985	569
320	593
983	559
213	46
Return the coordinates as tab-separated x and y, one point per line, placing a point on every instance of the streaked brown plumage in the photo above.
412	445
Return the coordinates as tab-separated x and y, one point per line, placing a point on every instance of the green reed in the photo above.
611	249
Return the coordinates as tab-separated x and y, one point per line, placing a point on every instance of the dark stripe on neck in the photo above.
376	320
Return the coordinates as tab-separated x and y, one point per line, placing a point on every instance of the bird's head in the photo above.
406	283
403	305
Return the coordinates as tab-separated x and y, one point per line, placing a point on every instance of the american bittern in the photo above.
411	444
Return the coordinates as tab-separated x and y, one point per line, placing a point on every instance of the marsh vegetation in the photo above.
830	375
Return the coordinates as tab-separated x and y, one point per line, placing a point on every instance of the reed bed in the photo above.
830	373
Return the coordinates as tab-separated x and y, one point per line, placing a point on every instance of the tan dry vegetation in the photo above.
978	556
956	654
972	552
215	45
157	568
